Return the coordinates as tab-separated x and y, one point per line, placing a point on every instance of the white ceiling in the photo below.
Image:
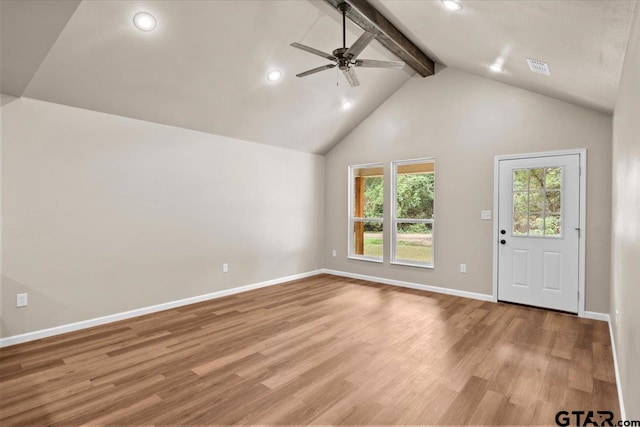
205	68
583	42
28	29
205	65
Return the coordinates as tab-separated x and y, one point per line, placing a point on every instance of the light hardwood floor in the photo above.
323	350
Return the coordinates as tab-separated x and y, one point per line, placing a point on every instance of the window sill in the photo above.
368	259
412	264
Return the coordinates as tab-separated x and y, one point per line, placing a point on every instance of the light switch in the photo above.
485	214
22	300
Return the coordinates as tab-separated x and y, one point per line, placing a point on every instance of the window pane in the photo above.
553	202
553	177
536	179
536	224
536	201
520	179
520	223
414	194
414	243
414	200
368	189
367	238
552	226
367	201
520	201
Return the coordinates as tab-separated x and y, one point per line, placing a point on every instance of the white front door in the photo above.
538	231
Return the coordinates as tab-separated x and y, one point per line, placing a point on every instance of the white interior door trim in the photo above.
583	216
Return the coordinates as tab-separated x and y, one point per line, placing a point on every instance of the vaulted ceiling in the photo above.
583	41
205	65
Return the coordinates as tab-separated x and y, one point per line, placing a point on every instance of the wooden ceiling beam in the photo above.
367	17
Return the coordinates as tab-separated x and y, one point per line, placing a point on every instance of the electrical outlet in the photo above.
334	253
22	300
225	268
463	268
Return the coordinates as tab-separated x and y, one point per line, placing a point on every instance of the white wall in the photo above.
625	274
464	121
104	214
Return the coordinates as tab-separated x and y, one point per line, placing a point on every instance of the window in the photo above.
412	213
537	202
366	207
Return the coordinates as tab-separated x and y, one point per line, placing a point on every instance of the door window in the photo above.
537	202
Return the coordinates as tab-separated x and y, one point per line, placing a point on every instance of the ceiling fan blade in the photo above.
357	48
316	70
351	77
314	51
378	64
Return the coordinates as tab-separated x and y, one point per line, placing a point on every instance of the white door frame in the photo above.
583	216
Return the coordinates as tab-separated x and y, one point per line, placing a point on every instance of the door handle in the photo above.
502	242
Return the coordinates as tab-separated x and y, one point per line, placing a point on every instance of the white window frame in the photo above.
395	220
352	218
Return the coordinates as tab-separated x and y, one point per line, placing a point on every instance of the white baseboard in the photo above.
596	316
483	297
623	414
62	329
437	289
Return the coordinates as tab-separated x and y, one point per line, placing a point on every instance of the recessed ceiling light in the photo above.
274	75
498	65
454	5
346	105
144	21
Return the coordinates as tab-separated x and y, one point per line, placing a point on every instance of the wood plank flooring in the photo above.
323	350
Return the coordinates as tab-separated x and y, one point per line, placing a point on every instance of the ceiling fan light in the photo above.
453	5
346	105
274	75
144	21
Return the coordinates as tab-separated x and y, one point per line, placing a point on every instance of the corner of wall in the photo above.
625	228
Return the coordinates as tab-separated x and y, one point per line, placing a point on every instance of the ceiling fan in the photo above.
346	58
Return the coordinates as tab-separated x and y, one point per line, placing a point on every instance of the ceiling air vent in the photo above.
539	67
